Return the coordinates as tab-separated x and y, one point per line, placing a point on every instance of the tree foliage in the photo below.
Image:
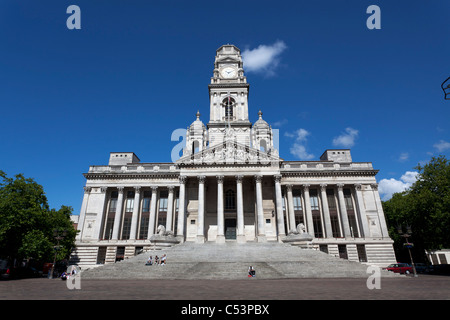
425	206
27	223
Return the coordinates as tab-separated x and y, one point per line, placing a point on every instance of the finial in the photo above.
260	114
198	114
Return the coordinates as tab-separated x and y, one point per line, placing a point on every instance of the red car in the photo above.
403	268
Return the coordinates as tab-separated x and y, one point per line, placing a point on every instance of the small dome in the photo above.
260	123
197	124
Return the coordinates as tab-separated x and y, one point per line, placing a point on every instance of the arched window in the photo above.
263	145
230	200
195	146
228	104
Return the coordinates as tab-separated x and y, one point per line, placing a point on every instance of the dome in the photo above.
260	123
197	124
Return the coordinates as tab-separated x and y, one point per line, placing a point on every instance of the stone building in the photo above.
231	185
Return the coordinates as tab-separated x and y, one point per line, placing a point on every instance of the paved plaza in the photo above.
424	287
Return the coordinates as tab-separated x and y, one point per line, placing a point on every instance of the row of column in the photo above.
326	212
261	234
240	210
135	215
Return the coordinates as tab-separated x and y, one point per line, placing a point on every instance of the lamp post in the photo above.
58	235
408	245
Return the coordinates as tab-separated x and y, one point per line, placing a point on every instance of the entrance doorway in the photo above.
230	229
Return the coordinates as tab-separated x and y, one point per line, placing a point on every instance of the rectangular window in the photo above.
143	231
361	252
109	228
126	226
348	199
297	203
101	255
163	201
130	205
314	199
146	205
342	251
335	225
331	199
113	205
353	225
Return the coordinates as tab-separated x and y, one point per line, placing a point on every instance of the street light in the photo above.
58	235
408	245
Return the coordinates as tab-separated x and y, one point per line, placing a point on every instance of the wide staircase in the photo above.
271	260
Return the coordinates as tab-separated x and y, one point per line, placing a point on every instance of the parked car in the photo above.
402	268
422	267
440	269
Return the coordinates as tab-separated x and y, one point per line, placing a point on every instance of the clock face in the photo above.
229	72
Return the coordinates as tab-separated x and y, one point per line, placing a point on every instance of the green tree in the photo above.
27	223
425	206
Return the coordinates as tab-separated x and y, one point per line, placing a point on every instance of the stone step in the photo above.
231	261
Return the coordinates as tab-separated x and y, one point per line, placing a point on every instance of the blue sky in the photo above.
138	70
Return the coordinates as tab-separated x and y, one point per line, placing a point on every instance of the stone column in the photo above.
102	215
135	216
383	225
220	215
240	210
153	201
87	190
361	211
279	205
118	215
181	207
169	216
292	226
343	210
201	210
309	218
260	210
326	211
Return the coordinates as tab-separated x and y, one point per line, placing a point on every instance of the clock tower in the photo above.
228	95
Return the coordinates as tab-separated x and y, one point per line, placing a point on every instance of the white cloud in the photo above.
264	58
387	187
442	145
298	149
346	139
280	123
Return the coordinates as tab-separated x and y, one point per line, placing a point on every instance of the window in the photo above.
130	205
228	104
163	201
335	224
342	248
361	252
143	231
146	201
126	226
353	225
314	199
348	199
331	199
297	202
113	201
230	200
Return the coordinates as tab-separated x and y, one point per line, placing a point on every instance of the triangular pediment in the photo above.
230	152
227	59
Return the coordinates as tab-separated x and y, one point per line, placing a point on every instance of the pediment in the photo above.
227	59
230	152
